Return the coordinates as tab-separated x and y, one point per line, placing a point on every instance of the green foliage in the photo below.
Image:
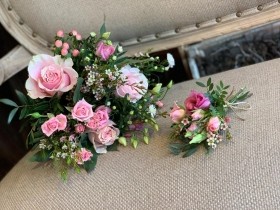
8	102
77	93
41	156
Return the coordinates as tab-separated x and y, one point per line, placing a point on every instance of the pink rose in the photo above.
62	122
82	111
213	124
50	75
104	108
50	126
192	127
79	128
227	120
83	155
197	114
135	84
53	124
196	100
103	138
99	120
104	51
177	113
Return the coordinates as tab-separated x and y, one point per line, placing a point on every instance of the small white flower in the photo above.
171	61
120	49
63	155
64	147
152	110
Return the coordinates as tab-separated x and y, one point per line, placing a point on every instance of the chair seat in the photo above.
241	174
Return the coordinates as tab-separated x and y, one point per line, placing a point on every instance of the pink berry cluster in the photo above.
64	44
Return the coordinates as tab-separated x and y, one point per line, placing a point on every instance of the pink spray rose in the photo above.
196	100
177	113
213	124
79	128
53	124
50	75
99	120
104	51
83	156
103	138
82	111
135	84
197	114
104	108
62	122
192	127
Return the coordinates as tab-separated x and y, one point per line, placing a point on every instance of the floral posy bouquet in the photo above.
204	120
88	98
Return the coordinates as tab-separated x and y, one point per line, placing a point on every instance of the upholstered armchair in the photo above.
243	174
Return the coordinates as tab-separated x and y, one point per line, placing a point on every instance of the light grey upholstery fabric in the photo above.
125	18
243	174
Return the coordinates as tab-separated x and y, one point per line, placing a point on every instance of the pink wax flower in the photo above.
104	51
197	114
75	52
196	100
79	128
82	111
103	138
177	113
99	120
135	84
213	124
50	126
159	104
60	33
58	43
83	155
50	75
192	127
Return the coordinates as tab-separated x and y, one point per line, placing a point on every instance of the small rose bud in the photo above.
106	35
146	139
157	88
170	84
92	34
122	141
36	115
156	127
134	142
159	104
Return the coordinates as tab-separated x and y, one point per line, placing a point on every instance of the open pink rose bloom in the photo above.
50	75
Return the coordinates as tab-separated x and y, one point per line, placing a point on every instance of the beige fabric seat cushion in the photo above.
243	174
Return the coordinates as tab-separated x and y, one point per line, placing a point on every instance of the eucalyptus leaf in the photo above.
190	151
22	98
77	93
12	114
209	81
102	29
200	84
8	102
